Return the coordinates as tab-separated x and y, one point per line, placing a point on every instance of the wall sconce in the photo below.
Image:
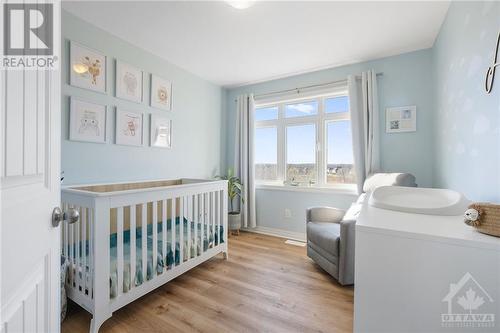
80	68
490	74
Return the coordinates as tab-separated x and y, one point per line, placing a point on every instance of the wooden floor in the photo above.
265	286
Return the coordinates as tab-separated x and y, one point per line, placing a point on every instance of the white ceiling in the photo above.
232	47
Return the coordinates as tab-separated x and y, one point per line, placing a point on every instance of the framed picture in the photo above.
87	68
161	93
129	128
87	121
128	82
401	119
161	132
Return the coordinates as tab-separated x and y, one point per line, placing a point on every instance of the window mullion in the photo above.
281	144
320	144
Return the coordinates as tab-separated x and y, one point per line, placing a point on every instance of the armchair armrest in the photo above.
346	249
324	214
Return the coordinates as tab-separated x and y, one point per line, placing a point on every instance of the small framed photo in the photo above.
161	93
161	132
128	82
87	121
129	128
87	68
401	119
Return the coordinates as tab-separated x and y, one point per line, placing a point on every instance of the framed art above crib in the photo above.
161	132
161	93
129	80
87	121
129	129
87	68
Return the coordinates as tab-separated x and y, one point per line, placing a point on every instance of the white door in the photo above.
29	190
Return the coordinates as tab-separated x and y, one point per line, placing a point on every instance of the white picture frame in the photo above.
87	68
401	119
161	93
129	82
160	131
87	121
129	128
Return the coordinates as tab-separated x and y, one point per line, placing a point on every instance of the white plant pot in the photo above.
234	221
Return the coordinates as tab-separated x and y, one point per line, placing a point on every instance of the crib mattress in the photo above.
164	261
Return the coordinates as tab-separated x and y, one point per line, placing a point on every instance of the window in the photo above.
301	154
305	142
266	153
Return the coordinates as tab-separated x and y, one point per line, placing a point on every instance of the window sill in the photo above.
346	189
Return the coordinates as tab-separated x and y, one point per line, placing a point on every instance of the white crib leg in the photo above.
225	252
97	321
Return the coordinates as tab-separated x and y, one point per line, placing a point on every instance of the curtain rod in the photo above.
308	87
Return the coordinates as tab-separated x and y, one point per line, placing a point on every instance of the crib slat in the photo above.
91	253
221	212
77	251
83	224
74	269
203	220
172	230
133	237
119	250
164	233
189	216
155	237
181	229
196	221
144	237
212	195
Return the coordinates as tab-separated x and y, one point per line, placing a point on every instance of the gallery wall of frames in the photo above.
88	70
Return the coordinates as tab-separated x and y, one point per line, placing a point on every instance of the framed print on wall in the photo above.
87	68
129	128
128	82
401	119
161	93
161	132
87	121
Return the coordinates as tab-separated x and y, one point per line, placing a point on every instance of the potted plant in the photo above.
234	188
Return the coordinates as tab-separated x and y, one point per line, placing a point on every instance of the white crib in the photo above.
178	225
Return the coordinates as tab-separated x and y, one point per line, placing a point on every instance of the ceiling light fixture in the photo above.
241	4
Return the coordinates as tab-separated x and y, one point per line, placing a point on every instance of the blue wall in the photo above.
196	116
407	80
467	120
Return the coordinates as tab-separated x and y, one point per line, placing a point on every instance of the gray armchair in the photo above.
330	242
331	231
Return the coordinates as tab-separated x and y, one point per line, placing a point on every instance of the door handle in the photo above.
71	216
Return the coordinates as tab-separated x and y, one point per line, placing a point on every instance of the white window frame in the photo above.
320	120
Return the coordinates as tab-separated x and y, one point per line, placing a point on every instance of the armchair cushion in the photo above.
325	239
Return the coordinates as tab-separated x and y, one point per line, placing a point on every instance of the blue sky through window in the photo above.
339	142
266	145
301	144
337	104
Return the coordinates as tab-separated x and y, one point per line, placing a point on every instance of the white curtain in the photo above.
365	124
244	157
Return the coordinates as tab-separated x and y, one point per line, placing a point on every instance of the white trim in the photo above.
339	189
299	236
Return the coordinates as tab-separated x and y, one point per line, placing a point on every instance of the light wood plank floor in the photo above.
265	286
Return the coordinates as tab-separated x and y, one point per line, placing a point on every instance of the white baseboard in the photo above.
278	233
